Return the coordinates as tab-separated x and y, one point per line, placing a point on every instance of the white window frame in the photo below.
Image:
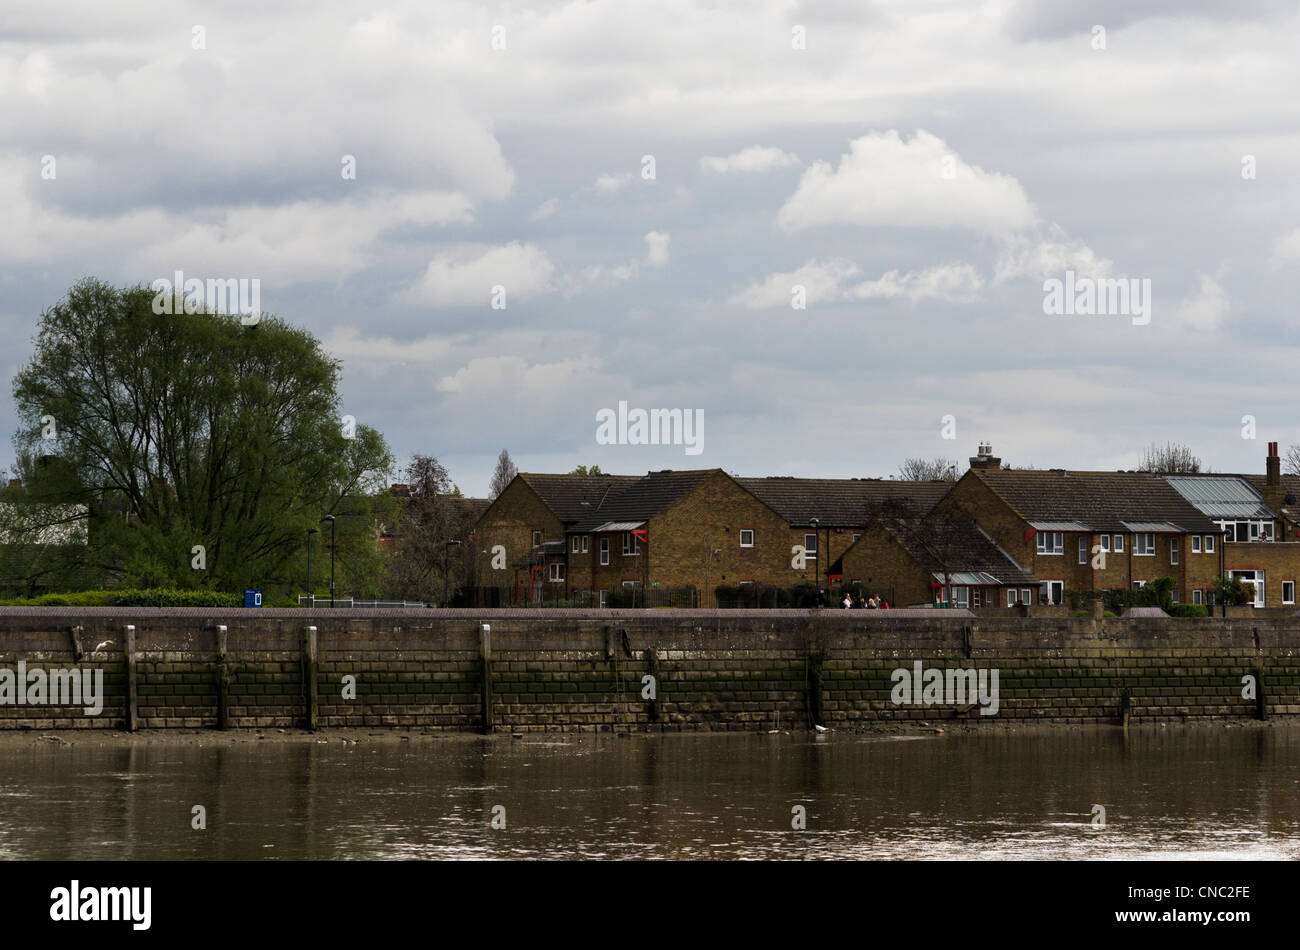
1173	552
1105	544
1137	544
577	545
1051	543
604	598
1119	544
631	544
1083	549
604	552
1285	599
1198	597
746	531
557	572
1026	595
810	550
1209	544
1196	544
961	596
1048	585
585	537
631	585
1257	579
1011	596
856	536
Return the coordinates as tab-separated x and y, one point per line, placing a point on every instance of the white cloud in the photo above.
1046	253
833	281
756	158
1205	308
466	275
885	181
657	248
1287	247
545	209
609	184
495	374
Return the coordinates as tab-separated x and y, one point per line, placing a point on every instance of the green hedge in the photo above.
157	597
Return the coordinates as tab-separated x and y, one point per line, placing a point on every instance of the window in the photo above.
1051	542
810	546
1025	595
577	545
856	536
584	544
1119	544
1173	550
746	537
1288	592
631	546
1054	591
961	596
1083	549
631	585
1144	545
1254	531
1196	544
1011	597
1173	595
1266	530
557	571
604	550
604	598
1252	577
1138	585
537	538
1209	544
1105	543
1197	597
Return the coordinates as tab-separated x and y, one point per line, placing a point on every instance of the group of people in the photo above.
853	601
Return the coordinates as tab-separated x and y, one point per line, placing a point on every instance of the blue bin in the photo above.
252	598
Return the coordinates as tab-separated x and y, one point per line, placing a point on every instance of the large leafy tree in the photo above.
433	517
187	430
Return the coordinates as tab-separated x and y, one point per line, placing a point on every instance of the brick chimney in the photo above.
985	458
1273	491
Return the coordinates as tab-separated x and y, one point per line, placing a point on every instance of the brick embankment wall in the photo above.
586	670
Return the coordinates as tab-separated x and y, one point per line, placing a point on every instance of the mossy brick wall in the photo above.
583	670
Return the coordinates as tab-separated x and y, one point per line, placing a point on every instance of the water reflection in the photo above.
1172	792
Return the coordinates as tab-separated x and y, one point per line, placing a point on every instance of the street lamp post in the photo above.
446	559
312	601
330	519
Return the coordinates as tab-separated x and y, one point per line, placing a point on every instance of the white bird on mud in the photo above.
106	643
820	728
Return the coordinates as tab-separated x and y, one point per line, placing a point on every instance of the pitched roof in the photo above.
587	502
839	501
1219	497
1102	501
955	546
573	497
642	498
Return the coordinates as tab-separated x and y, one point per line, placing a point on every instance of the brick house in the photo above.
826	516
582	537
922	560
1088	530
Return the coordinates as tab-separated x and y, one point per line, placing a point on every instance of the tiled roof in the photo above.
841	502
575	497
1101	500
585	502
643	497
941	545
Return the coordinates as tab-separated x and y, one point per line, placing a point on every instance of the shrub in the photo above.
1187	610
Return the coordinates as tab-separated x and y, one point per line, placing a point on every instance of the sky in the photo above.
647	191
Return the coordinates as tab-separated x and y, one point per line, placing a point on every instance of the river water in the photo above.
1175	792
